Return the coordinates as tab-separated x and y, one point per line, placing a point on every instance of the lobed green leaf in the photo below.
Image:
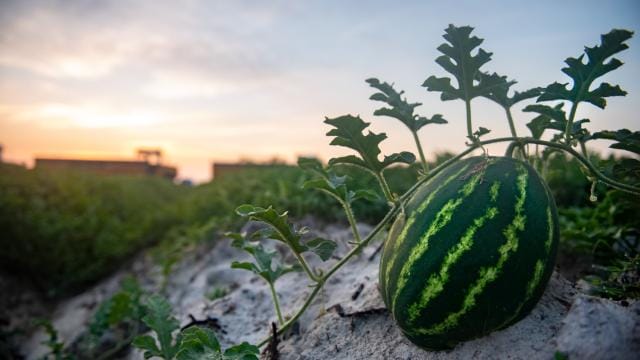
458	60
584	74
400	108
348	132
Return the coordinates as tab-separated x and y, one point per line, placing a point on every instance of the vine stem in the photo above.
398	205
467	104
425	166
305	266
572	115
352	221
276	303
349	212
385	187
512	128
300	258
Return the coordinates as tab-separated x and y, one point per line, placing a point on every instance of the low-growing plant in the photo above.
569	137
191	343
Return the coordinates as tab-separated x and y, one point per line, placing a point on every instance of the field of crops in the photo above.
64	231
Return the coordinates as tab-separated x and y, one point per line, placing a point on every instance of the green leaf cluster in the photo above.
599	62
278	228
329	182
159	319
348	132
192	343
400	108
201	344
266	264
125	306
458	60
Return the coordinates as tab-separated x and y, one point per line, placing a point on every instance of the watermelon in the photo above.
471	253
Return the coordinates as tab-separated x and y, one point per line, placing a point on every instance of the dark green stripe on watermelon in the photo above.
472	253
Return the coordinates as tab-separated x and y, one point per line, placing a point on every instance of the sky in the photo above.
226	81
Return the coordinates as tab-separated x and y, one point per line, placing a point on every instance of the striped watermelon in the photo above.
472	252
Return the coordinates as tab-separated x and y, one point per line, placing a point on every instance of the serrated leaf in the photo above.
147	343
278	222
550	118
362	194
584	74
400	109
500	94
332	184
267	264
322	247
244	351
458	60
538	125
160	320
199	344
348	133
555	114
624	139
245	265
554	118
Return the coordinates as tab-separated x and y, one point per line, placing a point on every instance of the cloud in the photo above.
60	41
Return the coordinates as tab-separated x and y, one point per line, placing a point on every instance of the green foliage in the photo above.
609	233
202	344
400	108
192	343
266	265
64	230
583	75
623	139
199	343
280	229
330	183
465	67
125	306
500	94
159	319
554	118
347	132
56	347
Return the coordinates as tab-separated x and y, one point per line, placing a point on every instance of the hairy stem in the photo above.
300	258
385	187
425	166
567	130
305	266
467	104
276	303
352	220
512	127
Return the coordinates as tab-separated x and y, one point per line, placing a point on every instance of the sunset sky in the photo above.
230	80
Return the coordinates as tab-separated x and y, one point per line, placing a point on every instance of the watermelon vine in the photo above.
508	192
